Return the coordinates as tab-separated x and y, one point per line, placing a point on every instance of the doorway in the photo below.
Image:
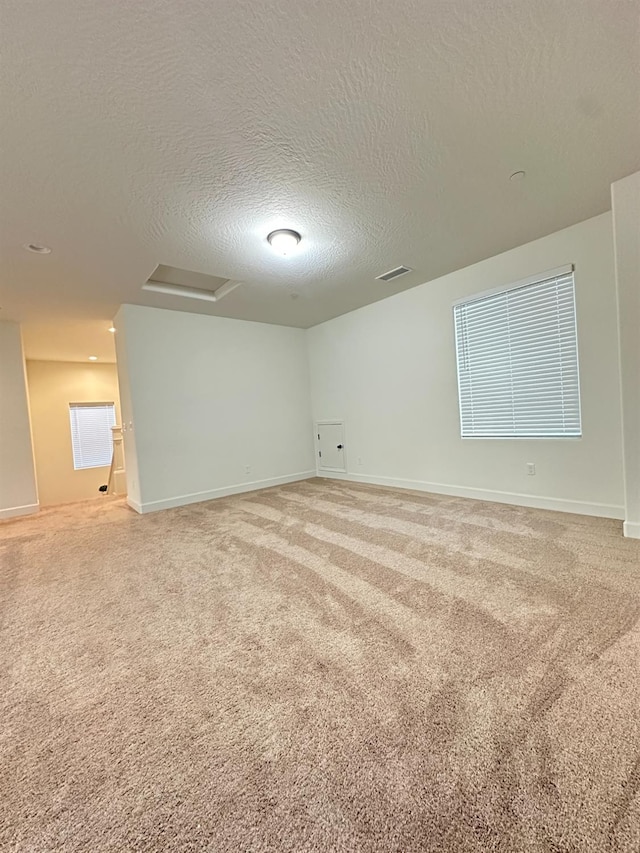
77	440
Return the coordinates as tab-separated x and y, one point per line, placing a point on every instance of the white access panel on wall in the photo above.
330	446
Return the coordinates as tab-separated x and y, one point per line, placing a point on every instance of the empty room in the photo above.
320	427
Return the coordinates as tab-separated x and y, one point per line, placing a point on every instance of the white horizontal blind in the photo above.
517	356
91	436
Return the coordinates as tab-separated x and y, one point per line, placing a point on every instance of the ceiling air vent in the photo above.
398	271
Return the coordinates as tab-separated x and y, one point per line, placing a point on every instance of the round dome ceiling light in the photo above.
283	241
37	249
93	358
517	176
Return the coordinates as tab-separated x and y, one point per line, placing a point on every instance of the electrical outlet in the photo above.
247	469
531	468
359	460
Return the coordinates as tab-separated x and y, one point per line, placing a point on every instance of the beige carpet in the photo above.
319	667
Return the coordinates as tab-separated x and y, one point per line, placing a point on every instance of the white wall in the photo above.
205	397
625	197
52	385
18	495
126	411
389	370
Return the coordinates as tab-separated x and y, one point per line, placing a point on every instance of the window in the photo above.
91	437
517	356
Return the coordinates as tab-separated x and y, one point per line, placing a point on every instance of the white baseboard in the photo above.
514	498
15	511
199	497
631	529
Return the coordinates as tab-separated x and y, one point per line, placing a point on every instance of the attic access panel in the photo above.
172	281
185	278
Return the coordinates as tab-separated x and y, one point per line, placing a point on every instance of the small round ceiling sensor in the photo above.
517	176
37	248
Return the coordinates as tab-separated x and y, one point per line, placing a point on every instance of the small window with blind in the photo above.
517	355
91	436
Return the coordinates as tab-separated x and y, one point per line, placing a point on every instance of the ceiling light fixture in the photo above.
284	240
37	249
517	176
93	358
111	329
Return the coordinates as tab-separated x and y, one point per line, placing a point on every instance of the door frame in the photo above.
316	440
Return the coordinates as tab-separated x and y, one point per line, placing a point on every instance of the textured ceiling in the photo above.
181	132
